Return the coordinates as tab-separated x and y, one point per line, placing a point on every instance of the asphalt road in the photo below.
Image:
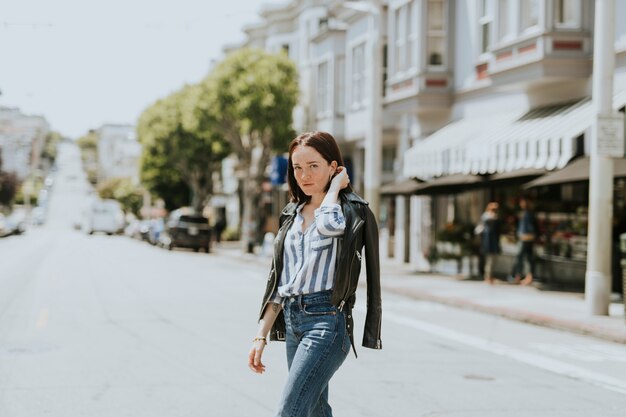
110	326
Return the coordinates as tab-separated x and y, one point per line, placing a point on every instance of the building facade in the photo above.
119	152
22	138
440	105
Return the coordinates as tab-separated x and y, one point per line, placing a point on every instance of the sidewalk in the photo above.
558	310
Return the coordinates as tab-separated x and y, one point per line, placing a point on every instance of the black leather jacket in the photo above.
361	231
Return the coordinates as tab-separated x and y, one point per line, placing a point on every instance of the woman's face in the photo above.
311	170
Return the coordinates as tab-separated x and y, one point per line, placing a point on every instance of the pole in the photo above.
374	133
598	274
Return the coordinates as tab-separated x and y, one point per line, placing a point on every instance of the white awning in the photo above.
445	151
542	138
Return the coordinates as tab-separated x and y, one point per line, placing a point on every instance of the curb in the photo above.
514	314
463	303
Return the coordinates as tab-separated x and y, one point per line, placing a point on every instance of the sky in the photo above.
83	63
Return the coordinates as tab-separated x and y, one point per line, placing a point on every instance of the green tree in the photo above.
253	94
175	149
123	190
49	152
88	145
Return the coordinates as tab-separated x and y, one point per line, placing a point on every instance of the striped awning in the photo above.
543	138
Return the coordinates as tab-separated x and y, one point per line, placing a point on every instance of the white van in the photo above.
104	216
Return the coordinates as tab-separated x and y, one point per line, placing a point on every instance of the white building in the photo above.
506	99
119	152
22	138
465	95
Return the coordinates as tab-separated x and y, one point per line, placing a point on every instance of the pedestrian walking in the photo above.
526	235
220	225
313	279
489	230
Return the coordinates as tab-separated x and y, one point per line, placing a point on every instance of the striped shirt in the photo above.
310	256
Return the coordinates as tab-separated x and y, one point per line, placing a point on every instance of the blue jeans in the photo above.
525	250
317	345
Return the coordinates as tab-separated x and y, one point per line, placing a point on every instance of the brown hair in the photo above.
325	144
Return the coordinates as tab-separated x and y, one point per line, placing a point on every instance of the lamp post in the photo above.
605	144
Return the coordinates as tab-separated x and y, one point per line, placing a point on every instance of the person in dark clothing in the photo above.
526	235
489	229
220	225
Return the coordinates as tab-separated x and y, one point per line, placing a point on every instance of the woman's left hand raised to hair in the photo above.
341	179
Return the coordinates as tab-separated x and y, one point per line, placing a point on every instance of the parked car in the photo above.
4	229
104	216
16	222
186	229
38	216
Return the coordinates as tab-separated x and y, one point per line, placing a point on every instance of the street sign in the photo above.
609	131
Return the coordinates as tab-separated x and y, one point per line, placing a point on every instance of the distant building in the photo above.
118	152
22	138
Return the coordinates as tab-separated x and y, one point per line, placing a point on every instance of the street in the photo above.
111	326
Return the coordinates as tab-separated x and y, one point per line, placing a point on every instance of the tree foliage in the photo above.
253	94
88	145
51	143
123	190
177	149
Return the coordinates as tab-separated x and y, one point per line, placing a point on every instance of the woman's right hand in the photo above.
254	357
341	178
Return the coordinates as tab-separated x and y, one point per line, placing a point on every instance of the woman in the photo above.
490	238
313	280
526	235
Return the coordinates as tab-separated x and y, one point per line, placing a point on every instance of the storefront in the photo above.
540	155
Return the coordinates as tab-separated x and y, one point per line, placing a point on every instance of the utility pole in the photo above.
605	144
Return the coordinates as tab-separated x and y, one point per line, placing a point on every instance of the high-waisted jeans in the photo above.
317	345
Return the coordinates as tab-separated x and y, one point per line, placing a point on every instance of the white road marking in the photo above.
538	361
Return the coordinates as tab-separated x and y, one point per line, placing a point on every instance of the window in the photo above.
323	89
568	13
405	37
530	13
389	156
486	24
436	36
401	38
340	76
412	44
503	19
358	75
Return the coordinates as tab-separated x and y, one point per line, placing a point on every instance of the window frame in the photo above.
559	8
357	76
440	34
